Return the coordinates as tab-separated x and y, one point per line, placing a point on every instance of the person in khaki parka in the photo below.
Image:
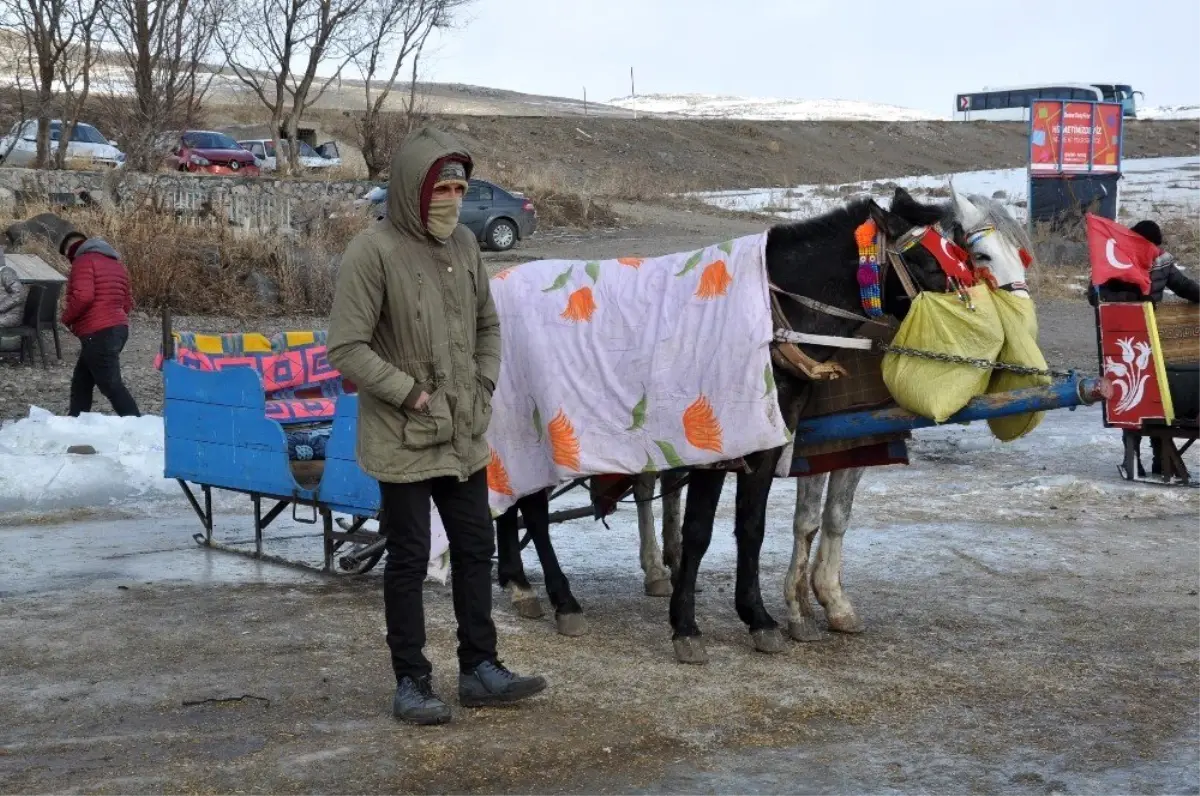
414	327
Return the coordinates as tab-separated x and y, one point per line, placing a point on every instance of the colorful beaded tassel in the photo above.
868	269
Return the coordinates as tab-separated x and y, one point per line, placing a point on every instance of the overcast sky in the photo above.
914	53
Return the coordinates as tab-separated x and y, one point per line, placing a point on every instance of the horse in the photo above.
821	300
971	222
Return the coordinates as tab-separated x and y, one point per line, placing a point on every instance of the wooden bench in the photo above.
1137	344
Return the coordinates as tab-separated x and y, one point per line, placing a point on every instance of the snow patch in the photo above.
1153	187
37	473
710	106
1169	112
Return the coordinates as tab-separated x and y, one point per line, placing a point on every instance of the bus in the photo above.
1013	102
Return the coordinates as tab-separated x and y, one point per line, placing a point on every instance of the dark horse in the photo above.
814	260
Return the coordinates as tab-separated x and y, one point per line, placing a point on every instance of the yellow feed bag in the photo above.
1018	317
941	323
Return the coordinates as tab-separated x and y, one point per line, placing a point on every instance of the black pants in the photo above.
406	519
99	365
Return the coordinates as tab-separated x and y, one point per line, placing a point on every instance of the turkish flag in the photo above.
952	258
1117	252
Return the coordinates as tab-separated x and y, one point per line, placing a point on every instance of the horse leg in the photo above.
510	572
802	620
827	574
750	521
568	614
657	581
671	527
704	493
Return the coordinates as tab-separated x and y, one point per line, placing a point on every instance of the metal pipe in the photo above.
1067	394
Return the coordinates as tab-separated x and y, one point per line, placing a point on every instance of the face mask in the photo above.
443	217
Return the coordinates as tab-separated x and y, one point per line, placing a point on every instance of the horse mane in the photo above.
839	220
997	215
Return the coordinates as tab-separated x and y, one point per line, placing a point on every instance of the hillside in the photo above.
623	157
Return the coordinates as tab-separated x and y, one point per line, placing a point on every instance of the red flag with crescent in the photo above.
951	257
1117	252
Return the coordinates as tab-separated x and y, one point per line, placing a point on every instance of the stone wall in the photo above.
256	204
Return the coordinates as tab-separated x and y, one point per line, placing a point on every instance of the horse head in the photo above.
999	247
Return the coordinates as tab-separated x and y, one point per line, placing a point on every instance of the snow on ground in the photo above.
1150	187
1168	112
37	474
708	106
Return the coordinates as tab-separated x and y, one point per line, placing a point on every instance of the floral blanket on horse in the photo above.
631	365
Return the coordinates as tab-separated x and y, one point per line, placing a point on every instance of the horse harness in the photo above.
785	350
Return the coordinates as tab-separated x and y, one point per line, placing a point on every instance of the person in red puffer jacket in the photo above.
98	304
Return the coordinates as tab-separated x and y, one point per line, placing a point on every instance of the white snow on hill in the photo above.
1167	112
708	106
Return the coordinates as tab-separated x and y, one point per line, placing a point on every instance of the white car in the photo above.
263	150
86	144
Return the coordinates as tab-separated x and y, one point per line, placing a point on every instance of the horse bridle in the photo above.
788	355
973	236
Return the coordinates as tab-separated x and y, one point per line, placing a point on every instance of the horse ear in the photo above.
891	224
964	208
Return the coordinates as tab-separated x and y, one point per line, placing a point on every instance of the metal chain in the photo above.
983	364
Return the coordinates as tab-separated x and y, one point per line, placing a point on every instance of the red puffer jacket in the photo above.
98	293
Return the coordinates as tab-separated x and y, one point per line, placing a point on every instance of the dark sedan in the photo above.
498	217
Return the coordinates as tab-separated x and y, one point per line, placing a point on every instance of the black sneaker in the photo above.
491	684
416	703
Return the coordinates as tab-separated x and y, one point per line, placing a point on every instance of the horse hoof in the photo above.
659	588
530	608
690	649
571	624
804	630
768	640
846	623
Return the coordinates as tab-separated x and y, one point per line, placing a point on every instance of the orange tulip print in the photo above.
632	262
504	274
701	427
714	281
497	476
563	444
580	306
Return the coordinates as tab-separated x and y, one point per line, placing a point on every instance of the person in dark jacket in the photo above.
1165	274
99	300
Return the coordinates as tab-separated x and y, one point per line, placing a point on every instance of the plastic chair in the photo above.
28	330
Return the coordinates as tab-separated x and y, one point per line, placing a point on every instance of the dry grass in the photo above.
205	268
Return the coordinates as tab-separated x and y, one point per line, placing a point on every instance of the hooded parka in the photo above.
413	313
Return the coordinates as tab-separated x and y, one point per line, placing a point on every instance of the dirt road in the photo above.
1031	629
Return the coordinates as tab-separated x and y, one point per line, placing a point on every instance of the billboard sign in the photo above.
1074	137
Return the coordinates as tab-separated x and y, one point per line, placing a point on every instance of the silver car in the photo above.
19	149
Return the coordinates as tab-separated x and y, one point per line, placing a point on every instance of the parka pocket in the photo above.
481	417
433	425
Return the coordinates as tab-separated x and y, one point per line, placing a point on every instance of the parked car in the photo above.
498	217
86	144
207	152
263	149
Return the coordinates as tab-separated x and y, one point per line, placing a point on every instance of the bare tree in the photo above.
398	32
60	50
164	45
75	71
263	43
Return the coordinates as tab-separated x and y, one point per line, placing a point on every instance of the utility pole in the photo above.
632	92
585	113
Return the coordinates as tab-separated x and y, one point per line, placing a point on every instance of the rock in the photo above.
1000	195
266	289
83	450
462	127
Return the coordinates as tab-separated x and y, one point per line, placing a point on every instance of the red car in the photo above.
208	152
